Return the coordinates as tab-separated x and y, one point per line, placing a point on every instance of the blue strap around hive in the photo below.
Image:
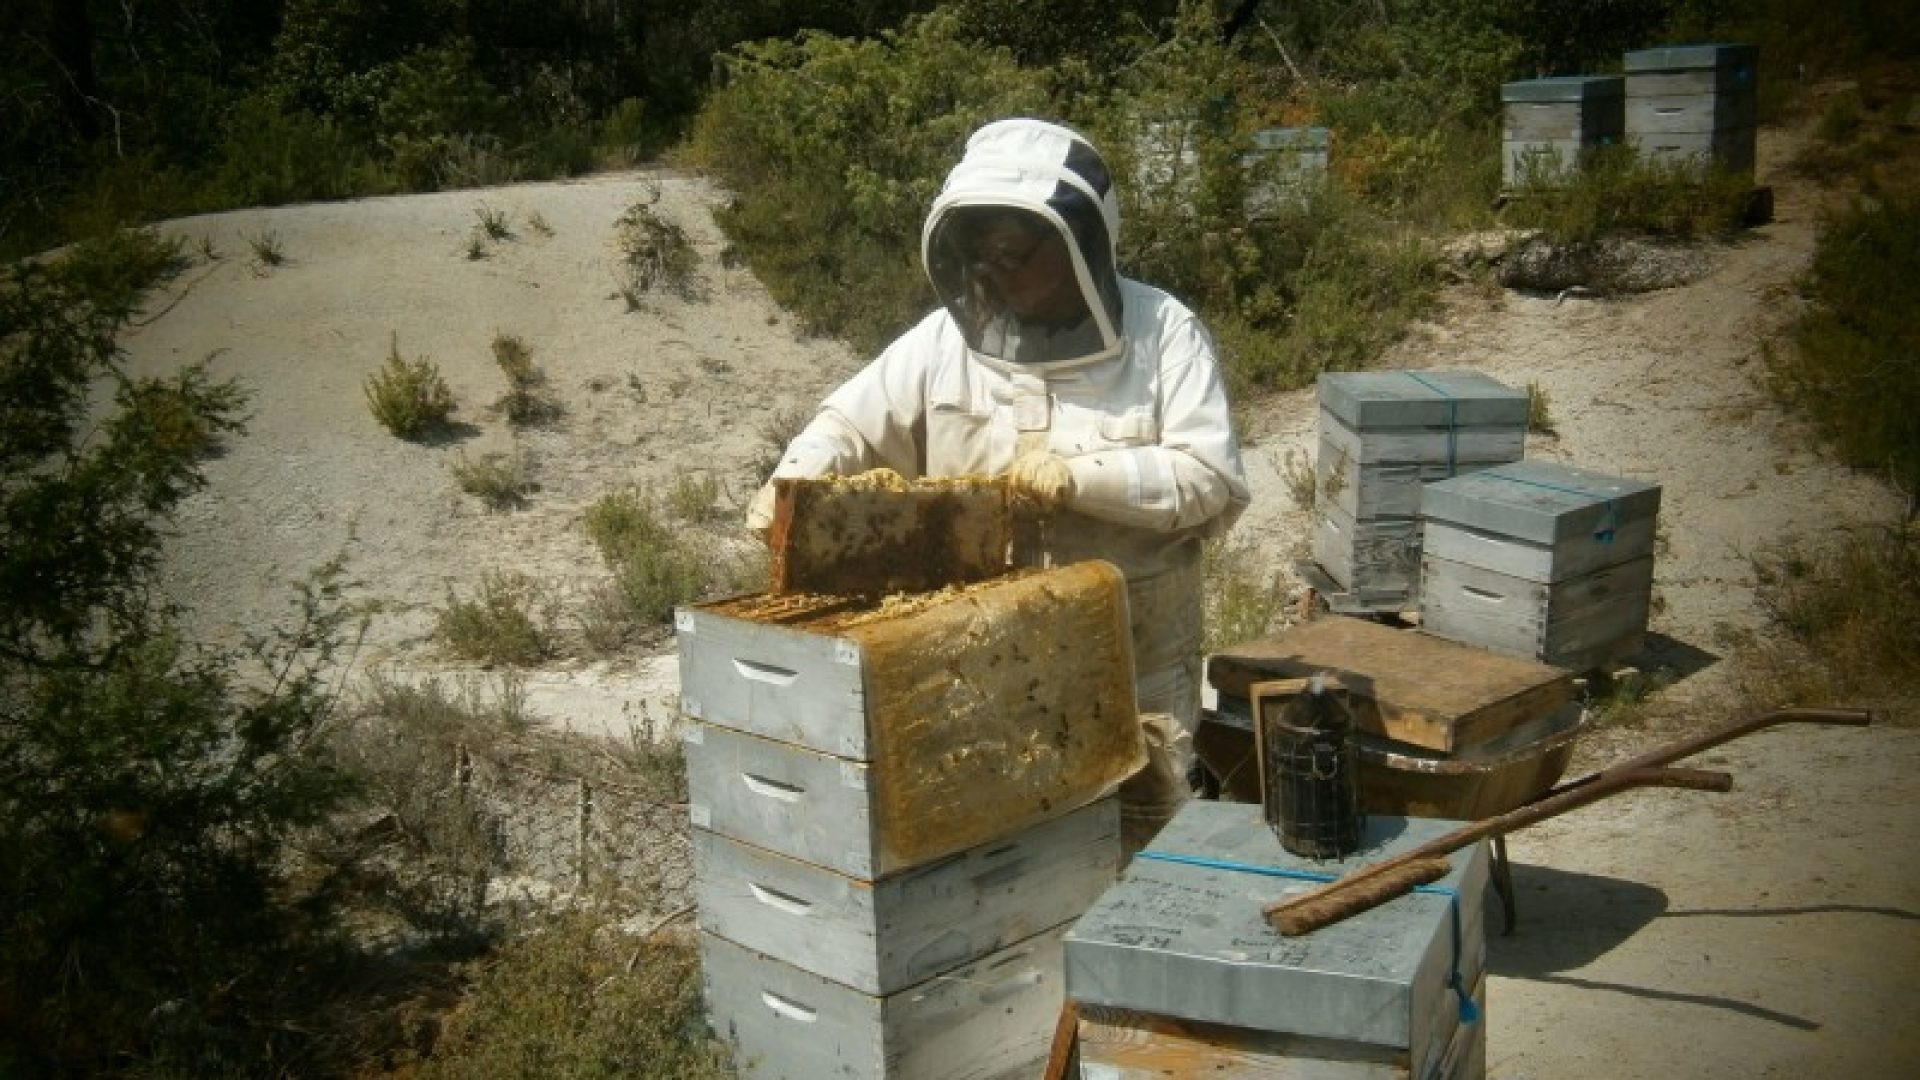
1453	416
1609	521
1469	1012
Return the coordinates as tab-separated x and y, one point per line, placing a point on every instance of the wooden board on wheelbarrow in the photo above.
1406	685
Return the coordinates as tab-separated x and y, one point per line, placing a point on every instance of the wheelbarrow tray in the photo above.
1478	782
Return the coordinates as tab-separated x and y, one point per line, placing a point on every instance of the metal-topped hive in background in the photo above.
1550	126
1383	435
1693	105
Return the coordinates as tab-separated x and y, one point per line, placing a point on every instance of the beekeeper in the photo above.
1097	396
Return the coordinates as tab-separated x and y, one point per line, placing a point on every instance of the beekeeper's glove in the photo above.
1042	479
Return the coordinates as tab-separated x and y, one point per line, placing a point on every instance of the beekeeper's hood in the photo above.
1056	175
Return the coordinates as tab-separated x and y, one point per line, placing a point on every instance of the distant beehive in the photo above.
1539	560
1551	125
1284	166
1693	105
1383	434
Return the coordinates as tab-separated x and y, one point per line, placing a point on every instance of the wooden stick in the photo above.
1063	1060
1322	908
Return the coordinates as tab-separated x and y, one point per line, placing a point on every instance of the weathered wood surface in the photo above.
1575	623
987	1020
980	710
878	533
1406	685
883	936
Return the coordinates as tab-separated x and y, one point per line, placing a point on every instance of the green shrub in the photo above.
1615	193
1850	366
149	788
654	569
837	148
1539	410
1242	602
408	398
576	996
1851	609
503	623
654	253
499	478
692	496
526	402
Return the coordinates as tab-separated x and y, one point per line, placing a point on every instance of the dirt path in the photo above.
1770	931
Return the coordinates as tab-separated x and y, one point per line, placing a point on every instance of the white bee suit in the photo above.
1131	398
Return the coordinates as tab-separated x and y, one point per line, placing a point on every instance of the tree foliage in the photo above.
147	788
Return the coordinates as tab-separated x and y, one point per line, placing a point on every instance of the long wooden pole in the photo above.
1367	887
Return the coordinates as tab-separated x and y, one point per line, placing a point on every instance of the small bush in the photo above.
692	496
1850	366
1851	609
1242	603
1296	469
525	403
654	569
576	996
654	254
1614	193
776	432
501	624
267	248
494	224
1539	410
408	398
499	478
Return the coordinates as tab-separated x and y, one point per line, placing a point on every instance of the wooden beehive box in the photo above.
1540	560
1693	104
1176	967
987	1020
880	937
1383	435
1551	125
877	533
872	738
1409	687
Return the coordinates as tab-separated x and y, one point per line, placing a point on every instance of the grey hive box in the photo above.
1541	560
989	1020
882	936
1182	943
1383	436
1550	125
1693	104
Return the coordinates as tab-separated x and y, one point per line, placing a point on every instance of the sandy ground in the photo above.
1771	931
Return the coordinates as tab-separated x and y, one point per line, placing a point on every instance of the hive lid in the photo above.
1541	502
1370	400
1564	88
1693	58
1185	939
1302	138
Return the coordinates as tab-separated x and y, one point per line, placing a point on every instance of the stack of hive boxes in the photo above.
1539	560
1693	104
1175	971
1383	435
897	810
1551	125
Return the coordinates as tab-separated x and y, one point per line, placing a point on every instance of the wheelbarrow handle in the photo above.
1706	740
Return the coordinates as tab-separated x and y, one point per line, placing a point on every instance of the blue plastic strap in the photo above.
1453	416
1609	521
1469	1012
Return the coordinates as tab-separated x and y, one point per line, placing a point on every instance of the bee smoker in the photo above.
1309	766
